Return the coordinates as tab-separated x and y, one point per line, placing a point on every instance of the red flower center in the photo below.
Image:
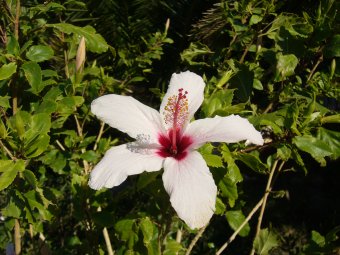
168	149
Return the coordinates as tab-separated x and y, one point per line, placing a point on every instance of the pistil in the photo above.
176	115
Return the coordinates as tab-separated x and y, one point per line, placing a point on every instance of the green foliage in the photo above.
265	241
275	63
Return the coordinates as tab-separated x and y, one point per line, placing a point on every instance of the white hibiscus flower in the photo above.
167	139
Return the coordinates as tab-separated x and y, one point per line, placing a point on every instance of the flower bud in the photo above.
81	54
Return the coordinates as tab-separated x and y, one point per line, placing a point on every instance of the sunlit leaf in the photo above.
94	42
235	219
33	75
39	53
265	241
7	70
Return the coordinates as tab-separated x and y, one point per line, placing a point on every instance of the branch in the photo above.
101	131
9	153
265	197
194	241
232	237
320	59
106	237
16	21
17	237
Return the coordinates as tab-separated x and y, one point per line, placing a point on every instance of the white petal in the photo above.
118	163
190	82
229	129
191	188
128	115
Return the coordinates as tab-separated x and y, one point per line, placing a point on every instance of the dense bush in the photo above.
273	62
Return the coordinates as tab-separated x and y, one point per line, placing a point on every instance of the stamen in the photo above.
176	114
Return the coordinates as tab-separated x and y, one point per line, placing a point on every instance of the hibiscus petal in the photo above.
229	129
128	115
119	162
190	82
191	188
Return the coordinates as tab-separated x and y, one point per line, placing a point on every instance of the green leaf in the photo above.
34	203
30	178
10	170
7	70
284	152
242	80
317	148
233	171
36	146
13	46
193	54
125	228
39	53
36	139
217	102
332	49
94	42
4	102
146	178
228	188
318	238
213	160
286	64
90	156
252	161
147	228
235	219
257	84
332	139
265	241
254	19
33	75
220	207
172	247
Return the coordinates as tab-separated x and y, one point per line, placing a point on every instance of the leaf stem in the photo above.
232	237
194	241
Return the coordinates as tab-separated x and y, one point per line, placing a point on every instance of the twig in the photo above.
107	241
179	237
320	59
246	51
16	21
60	145
232	237
80	134
101	130
17	237
265	197
194	241
106	237
105	232
269	107
9	153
